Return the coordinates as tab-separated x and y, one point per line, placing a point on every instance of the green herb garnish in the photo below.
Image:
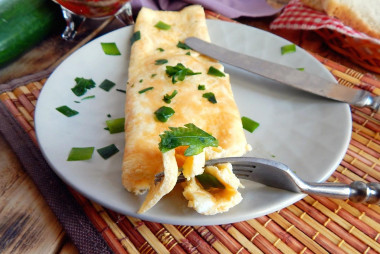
301	69
153	75
182	45
190	135
188	53
162	26
82	85
146	89
80	153
141	80
201	87
121	90
107	151
106	85
67	111
290	48
110	48
179	72
115	125
88	97
209	181
160	49
160	61
168	98
109	115
135	37
210	97
164	113
215	72
249	124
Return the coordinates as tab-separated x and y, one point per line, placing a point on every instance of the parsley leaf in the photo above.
190	135
179	72
82	85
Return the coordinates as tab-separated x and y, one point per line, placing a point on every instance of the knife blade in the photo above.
287	75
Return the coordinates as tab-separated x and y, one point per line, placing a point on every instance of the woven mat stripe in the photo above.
262	234
97	221
336	215
331	225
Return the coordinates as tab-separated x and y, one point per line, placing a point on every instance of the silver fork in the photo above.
278	175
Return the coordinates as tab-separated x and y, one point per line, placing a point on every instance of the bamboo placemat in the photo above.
312	225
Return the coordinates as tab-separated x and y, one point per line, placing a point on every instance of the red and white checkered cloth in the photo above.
300	17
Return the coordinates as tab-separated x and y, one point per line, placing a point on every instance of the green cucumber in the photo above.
24	23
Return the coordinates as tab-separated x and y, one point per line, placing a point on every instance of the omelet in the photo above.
192	94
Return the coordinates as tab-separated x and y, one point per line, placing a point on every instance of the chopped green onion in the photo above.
210	97
249	124
77	101
215	72
164	113
163	26
188	53
80	153
201	87
209	181
146	89
107	151
110	48
161	61
135	37
106	85
153	75
67	111
141	80
115	125
168	98
88	97
301	69
182	45
179	72
82	85
160	49
290	48
121	90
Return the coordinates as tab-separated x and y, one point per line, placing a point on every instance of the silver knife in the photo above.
287	75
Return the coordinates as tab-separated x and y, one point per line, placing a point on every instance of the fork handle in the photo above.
357	191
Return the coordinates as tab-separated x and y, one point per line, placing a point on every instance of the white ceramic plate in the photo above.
308	133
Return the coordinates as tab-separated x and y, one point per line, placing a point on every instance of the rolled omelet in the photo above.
154	50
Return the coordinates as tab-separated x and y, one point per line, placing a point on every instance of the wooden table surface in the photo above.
27	224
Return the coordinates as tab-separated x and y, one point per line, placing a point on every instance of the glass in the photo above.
75	13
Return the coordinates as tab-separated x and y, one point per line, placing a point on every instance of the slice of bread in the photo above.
361	15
